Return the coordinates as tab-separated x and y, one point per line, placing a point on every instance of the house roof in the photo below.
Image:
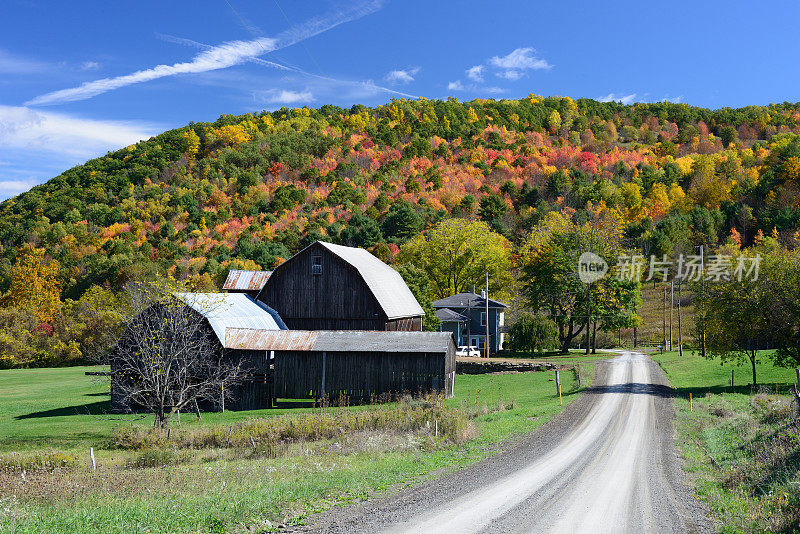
338	340
464	300
246	280
386	284
446	315
232	310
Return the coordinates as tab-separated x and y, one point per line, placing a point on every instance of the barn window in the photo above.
316	265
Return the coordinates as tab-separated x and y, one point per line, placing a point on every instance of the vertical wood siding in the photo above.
360	375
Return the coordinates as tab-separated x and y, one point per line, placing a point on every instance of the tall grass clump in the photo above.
423	415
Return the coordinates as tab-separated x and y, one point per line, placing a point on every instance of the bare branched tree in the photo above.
168	359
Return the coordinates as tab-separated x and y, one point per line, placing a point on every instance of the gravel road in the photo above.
606	464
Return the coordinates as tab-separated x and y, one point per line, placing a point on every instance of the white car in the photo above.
468	351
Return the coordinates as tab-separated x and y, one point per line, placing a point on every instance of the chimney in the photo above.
483	293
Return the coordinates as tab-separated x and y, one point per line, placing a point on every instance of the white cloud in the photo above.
510	74
90	65
456	86
623	99
402	75
673	99
475	73
25	128
215	57
38	145
276	96
12	64
10	188
474	88
520	59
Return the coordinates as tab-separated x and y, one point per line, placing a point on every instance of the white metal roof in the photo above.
386	284
232	310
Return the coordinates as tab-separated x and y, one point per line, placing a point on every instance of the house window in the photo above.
481	343
316	265
483	318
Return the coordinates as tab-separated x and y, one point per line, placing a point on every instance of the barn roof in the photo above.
232	310
446	315
464	300
245	280
386	284
338	340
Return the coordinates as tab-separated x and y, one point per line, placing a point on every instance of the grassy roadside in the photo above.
220	490
742	448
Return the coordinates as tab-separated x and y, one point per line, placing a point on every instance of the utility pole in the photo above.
664	322
487	314
671	306
680	334
588	314
702	313
469	319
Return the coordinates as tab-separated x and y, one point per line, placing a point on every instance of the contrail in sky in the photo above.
214	57
291	68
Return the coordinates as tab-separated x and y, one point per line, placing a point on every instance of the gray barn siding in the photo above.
255	390
338	299
361	375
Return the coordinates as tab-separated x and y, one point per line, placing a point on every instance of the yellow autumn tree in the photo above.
232	134
632	201
658	203
34	284
192	142
706	188
456	254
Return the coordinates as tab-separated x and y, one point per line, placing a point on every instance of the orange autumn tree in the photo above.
34	284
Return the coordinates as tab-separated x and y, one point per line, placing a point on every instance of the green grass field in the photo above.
741	447
63	409
692	373
224	491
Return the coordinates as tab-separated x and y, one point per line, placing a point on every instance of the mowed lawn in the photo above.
64	409
693	373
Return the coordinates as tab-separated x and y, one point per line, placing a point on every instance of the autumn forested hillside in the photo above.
249	191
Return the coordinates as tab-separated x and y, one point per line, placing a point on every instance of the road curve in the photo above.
607	464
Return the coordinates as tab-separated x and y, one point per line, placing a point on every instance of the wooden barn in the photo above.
333	287
220	312
359	364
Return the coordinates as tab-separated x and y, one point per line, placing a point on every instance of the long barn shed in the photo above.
359	364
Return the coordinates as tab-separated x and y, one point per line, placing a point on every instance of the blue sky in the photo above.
80	78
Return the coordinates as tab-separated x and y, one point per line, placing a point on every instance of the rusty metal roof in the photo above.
252	339
246	280
337	340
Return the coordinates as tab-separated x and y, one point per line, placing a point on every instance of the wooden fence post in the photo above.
558	386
